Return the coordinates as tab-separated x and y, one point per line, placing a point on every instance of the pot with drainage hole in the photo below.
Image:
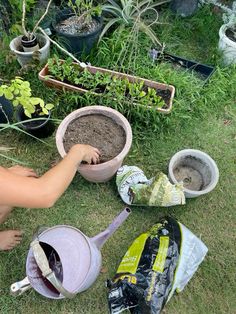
62	261
197	170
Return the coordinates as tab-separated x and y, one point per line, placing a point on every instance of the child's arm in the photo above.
40	192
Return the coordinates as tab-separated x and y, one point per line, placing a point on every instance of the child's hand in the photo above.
89	154
23	171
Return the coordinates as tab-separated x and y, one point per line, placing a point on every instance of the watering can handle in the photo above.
42	262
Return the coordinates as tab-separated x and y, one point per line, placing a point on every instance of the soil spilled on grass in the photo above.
191	178
96	130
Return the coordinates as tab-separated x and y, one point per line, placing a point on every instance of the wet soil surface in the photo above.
72	26
191	178
99	131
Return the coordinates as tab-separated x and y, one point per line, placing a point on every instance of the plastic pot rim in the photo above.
29	53
187	152
79	35
64	124
223	36
47	119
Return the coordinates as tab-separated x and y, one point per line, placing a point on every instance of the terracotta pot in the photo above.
104	171
51	82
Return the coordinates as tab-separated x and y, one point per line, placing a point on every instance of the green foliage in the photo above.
141	16
17	7
115	87
19	92
84	10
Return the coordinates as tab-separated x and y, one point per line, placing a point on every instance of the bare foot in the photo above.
9	239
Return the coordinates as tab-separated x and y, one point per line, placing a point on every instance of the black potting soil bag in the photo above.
157	263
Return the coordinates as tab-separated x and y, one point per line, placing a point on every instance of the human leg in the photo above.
8	238
4	212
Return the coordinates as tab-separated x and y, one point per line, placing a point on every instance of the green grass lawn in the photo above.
203	118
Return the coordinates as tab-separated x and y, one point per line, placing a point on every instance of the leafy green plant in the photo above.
84	10
99	82
134	14
17	10
20	93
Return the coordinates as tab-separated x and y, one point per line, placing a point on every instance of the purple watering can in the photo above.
62	261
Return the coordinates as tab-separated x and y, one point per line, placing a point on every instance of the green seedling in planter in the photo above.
19	92
62	70
99	82
84	10
152	99
86	79
136	90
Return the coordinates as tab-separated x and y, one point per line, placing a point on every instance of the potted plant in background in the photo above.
79	26
227	32
31	43
32	112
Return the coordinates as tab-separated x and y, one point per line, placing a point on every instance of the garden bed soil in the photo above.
72	26
98	131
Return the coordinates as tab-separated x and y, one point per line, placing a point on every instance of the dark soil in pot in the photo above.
99	131
231	34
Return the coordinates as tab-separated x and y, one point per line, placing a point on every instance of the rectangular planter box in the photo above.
61	85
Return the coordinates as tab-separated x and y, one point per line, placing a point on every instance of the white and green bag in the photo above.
135	189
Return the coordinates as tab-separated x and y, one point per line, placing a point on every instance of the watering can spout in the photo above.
102	237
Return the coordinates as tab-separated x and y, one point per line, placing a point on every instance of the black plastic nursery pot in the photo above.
6	110
203	71
40	128
78	43
29	44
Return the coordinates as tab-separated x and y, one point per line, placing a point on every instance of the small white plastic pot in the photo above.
227	46
24	57
200	162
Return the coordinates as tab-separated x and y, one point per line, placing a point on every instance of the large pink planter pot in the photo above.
105	171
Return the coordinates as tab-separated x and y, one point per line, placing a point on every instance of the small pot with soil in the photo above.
40	128
29	44
77	37
196	170
102	127
227	43
26	55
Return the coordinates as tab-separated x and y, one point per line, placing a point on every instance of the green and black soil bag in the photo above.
158	263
